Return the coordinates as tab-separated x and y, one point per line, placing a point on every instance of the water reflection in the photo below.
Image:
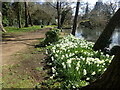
115	37
93	35
88	34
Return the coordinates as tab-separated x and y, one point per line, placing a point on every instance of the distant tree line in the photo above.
100	15
23	14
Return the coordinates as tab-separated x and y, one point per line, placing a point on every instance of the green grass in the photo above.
17	76
49	26
22	81
39	68
25	29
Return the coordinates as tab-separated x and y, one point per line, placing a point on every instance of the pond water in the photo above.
93	35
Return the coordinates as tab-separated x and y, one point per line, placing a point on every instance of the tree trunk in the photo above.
63	16
26	14
58	13
75	18
110	78
101	43
1	26
30	18
19	14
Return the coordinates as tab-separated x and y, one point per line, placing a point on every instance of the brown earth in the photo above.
21	61
19	43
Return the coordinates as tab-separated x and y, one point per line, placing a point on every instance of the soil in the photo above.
18	43
20	59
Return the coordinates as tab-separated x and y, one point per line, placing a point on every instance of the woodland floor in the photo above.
22	64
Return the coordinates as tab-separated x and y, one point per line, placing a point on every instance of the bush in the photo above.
51	37
74	61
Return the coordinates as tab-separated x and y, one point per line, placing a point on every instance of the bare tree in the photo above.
62	9
113	7
75	18
87	9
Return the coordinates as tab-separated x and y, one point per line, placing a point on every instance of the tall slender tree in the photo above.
30	18
58	12
26	13
86	9
63	16
63	10
75	18
19	13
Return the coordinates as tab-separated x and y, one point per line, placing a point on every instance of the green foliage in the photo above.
51	37
10	13
5	21
50	84
74	61
38	68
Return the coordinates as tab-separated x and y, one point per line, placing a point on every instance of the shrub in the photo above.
52	36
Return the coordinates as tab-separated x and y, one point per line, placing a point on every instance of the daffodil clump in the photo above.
74	61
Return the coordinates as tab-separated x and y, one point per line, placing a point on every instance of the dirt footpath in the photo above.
19	43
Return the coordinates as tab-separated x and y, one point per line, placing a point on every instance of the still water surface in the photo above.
93	35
